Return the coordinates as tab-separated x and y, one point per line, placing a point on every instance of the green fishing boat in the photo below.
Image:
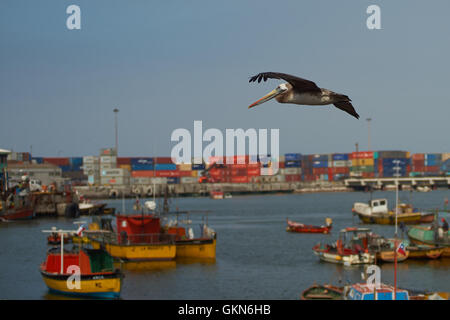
431	236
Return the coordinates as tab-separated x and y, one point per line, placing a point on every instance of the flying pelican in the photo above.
302	91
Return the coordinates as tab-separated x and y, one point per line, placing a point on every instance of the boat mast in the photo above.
397	174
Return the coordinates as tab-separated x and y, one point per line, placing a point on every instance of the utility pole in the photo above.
368	127
116	111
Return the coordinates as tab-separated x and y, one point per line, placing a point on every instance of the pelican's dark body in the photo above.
303	92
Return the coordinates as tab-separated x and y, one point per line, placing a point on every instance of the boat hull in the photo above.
196	248
319	292
424	253
18	214
425	236
389	256
389	218
138	252
351	259
94	285
309	229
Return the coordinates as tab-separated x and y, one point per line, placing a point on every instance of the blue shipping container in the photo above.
141	161
141	167
166	166
66	168
340	156
292	157
320	157
292	164
389	162
173	180
198	167
320	164
76	161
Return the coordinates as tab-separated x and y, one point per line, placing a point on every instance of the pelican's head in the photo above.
282	88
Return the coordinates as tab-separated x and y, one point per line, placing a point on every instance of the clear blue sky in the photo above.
165	64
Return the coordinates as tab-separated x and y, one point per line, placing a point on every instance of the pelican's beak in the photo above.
272	94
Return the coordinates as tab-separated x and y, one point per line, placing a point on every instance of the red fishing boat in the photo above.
304	228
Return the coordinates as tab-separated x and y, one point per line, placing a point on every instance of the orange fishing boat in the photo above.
304	228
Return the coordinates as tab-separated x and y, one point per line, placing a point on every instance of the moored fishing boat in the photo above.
431	236
16	207
137	237
364	291
188	245
303	228
424	252
81	272
384	249
322	292
376	212
346	251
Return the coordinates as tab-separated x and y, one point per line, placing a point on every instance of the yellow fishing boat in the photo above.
376	212
189	246
196	248
81	272
138	238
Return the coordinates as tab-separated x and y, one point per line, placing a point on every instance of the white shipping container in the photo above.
92	172
90	160
286	171
188	180
107	166
340	163
158	180
108	159
115	172
140	181
89	166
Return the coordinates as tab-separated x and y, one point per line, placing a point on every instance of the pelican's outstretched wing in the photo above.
299	84
347	107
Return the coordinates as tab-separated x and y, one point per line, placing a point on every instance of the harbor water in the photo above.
256	258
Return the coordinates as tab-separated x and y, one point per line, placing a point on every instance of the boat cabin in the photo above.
135	229
363	291
88	260
379	205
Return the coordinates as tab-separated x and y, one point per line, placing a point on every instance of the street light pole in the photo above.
116	111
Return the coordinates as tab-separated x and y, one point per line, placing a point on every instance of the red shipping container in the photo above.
57	161
432	169
418	156
361	155
239	166
341	170
162	160
253	172
418	163
239	179
330	173
281	165
368	174
319	171
292	178
167	173
418	169
142	173
125	161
